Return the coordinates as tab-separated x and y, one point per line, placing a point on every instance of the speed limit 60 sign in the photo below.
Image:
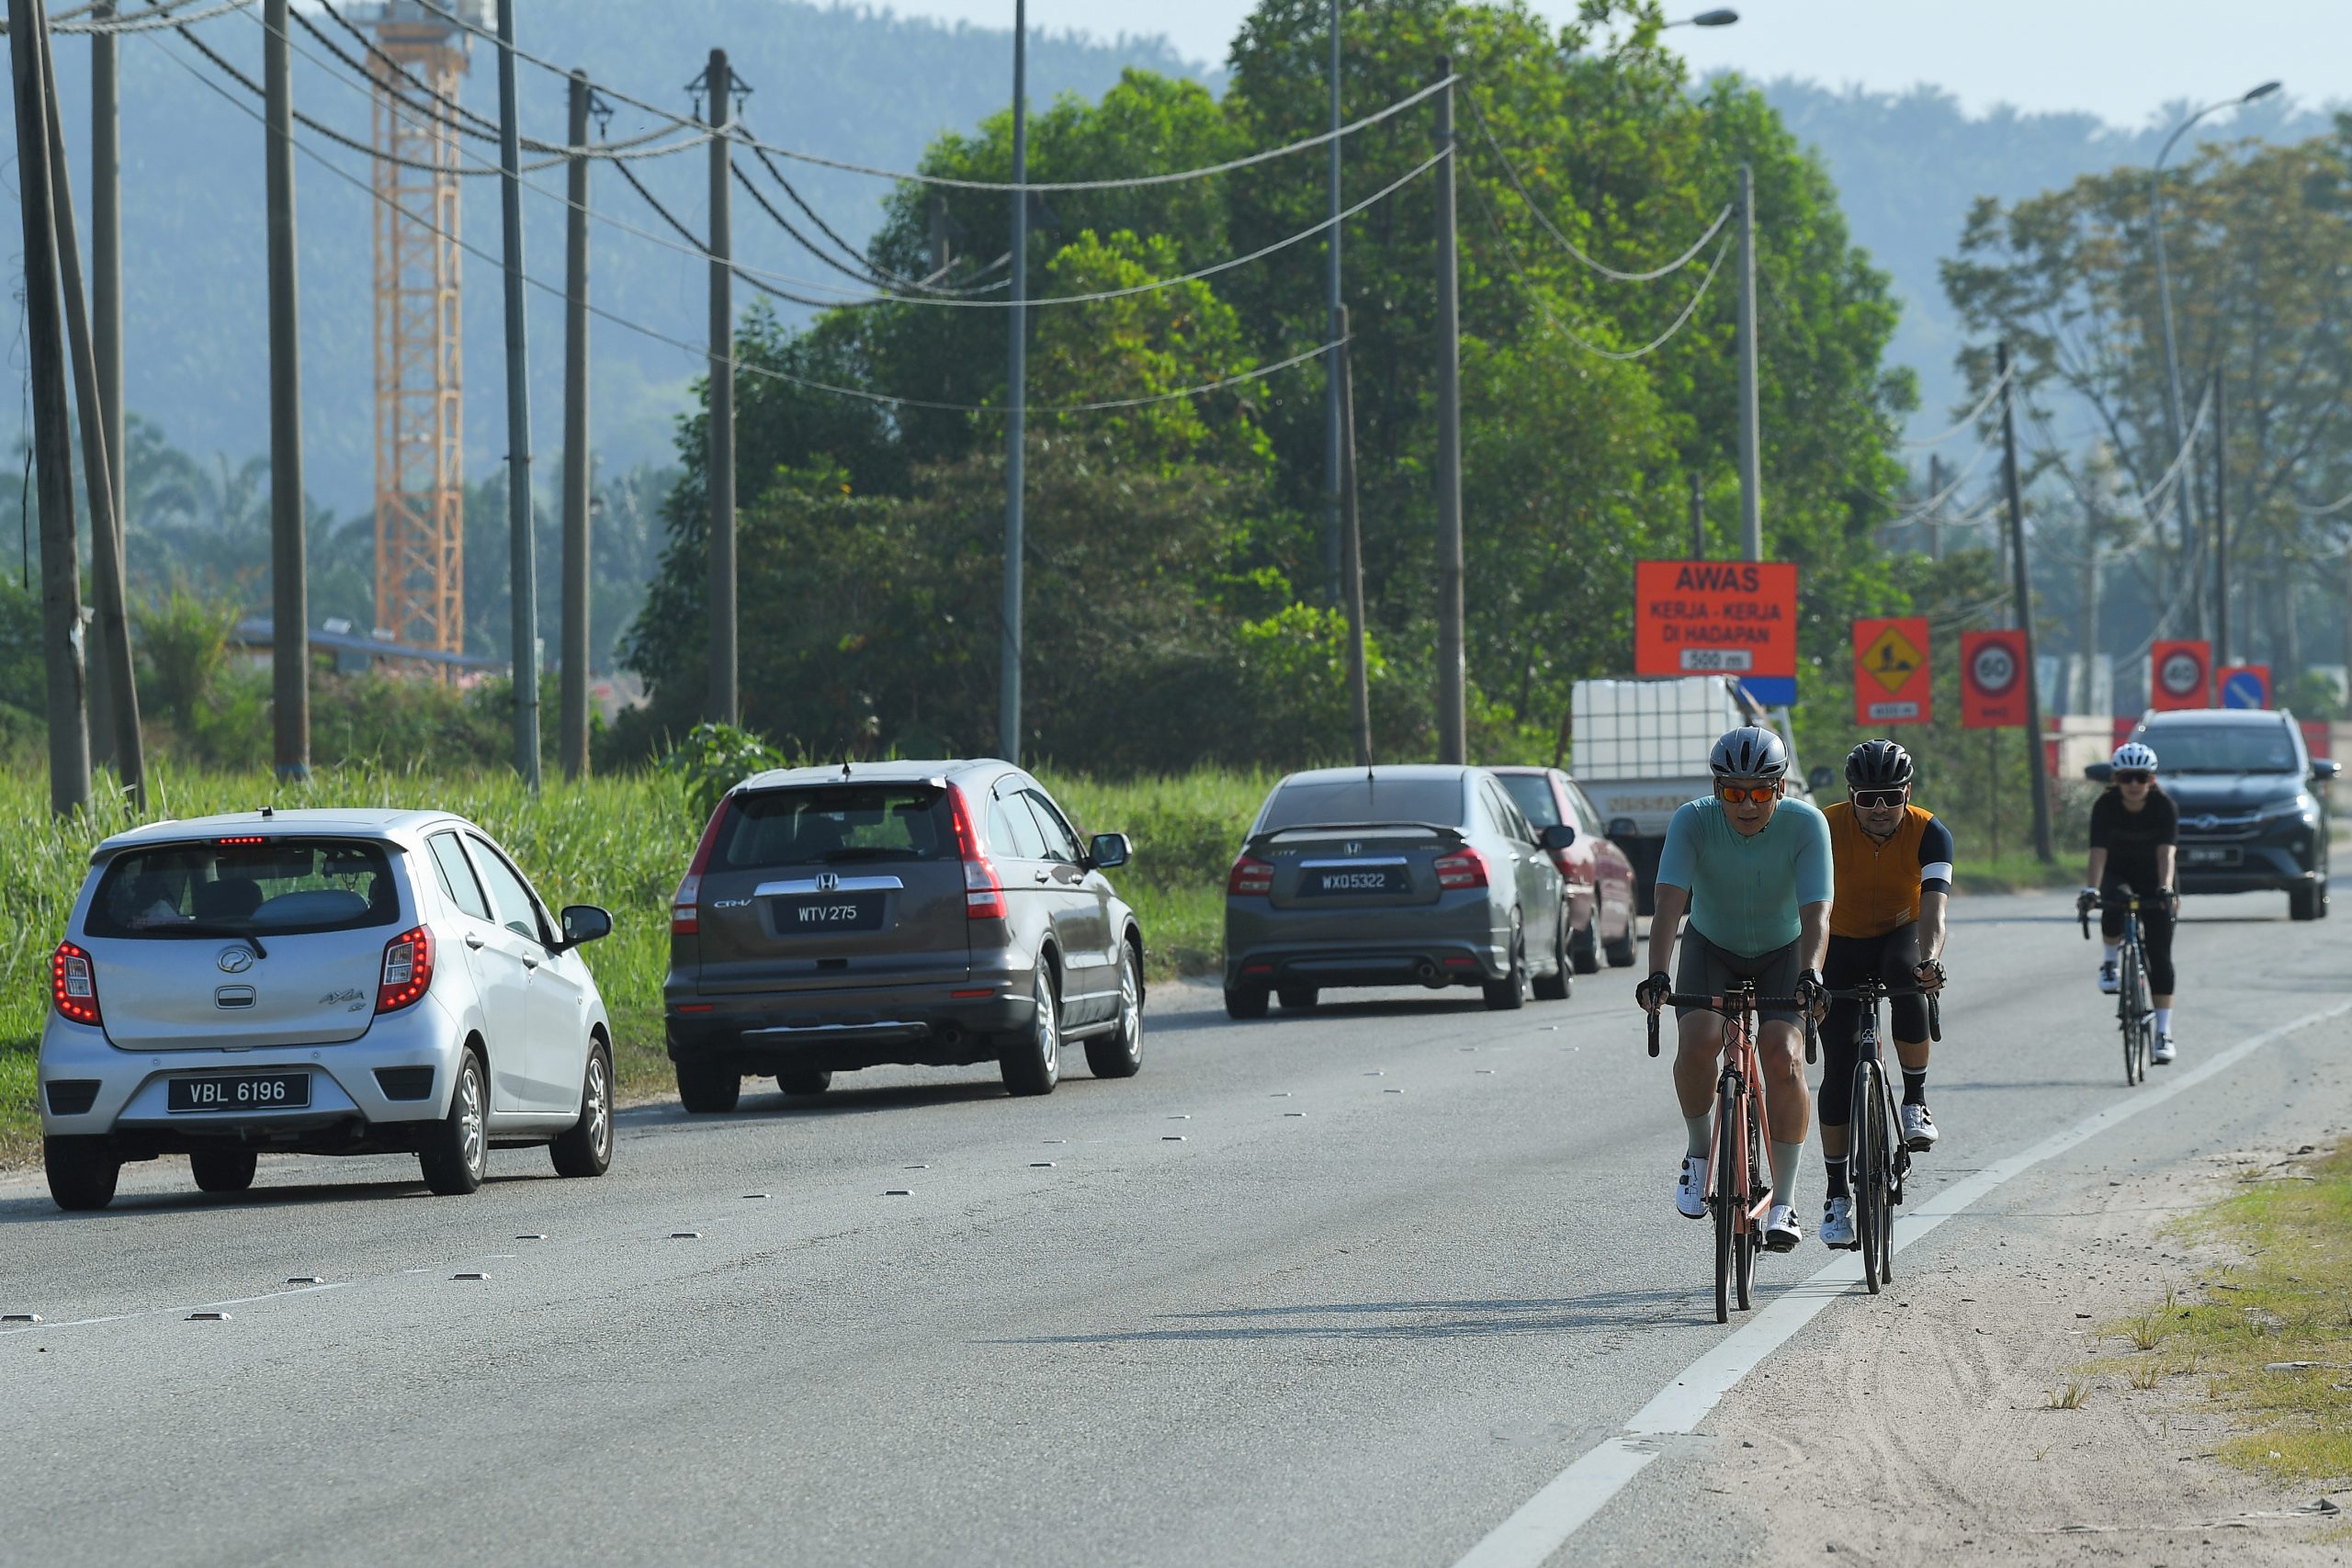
1992	680
2180	674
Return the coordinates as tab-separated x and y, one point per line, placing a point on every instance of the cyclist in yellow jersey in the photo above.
1894	867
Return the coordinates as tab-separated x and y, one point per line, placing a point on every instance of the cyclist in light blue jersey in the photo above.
1756	874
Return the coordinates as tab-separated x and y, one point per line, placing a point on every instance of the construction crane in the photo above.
418	60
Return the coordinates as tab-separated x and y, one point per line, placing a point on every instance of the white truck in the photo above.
1640	749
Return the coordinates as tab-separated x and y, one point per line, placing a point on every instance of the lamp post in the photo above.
1720	19
2163	287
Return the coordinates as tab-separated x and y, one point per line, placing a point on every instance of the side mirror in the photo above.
1558	837
1820	779
585	923
1108	851
1625	828
2099	772
2324	770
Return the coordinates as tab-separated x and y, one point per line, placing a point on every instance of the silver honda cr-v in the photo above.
937	913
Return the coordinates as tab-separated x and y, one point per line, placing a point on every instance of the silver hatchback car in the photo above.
1395	877
323	982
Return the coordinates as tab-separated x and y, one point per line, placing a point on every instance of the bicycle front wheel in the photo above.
1724	1179
1865	1162
2132	1010
1751	1237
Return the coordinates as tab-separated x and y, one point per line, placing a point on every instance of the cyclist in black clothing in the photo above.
2135	832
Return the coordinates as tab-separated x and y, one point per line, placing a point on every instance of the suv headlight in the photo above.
2295	806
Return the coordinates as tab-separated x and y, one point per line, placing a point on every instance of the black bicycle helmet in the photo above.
1878	765
1749	753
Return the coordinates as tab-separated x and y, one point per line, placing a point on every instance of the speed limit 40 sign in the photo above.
2180	674
1992	680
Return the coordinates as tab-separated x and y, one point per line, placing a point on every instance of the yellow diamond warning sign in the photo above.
1892	658
1891	680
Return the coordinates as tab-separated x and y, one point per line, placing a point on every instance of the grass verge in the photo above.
2020	871
2270	1334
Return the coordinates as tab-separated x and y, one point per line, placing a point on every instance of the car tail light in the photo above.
686	914
1465	867
408	970
983	889
1249	878
1569	870
73	983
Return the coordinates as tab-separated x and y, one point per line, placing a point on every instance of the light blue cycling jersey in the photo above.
1744	892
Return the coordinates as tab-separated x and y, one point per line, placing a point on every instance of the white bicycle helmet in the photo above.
2135	754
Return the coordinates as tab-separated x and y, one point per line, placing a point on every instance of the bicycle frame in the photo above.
2133	1004
1878	1160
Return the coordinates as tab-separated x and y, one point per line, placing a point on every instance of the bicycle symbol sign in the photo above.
1994	669
2181	674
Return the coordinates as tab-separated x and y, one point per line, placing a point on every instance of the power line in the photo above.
145	21
2330	509
1969	420
883	274
1510	255
1677	264
701	351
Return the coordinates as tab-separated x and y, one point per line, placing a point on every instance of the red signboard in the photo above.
1891	672
2317	736
1699	617
2243	685
2181	675
1992	680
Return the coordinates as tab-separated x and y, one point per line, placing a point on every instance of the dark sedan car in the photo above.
1599	876
938	913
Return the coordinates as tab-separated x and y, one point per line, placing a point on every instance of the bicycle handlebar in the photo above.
1873	989
1727	1006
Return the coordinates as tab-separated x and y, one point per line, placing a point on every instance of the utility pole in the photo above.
289	592
719	456
939	249
1452	674
1751	484
105	329
573	717
1698	519
1333	460
1007	723
2220	525
1352	550
116	704
1936	507
2036	768
61	582
523	581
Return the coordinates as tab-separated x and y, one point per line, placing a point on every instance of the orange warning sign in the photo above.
1892	683
1699	617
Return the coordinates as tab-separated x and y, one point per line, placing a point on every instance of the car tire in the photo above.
1246	1002
455	1156
1298	999
2305	901
82	1173
1561	984
1619	952
585	1149
805	1084
707	1088
1510	993
1031	1063
222	1170
1119	1054
1584	947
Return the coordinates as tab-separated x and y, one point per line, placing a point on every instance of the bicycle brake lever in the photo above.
1653	1034
1810	1039
1935	1021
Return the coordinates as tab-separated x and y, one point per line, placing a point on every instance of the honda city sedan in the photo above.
318	982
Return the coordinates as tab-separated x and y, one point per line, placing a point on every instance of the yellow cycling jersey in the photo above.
1878	885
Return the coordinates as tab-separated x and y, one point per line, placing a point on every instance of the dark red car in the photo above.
1599	878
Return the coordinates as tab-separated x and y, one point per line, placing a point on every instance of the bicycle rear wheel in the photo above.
1724	1182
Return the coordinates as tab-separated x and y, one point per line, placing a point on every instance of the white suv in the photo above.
324	982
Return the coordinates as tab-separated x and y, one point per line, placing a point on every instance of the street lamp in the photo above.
1722	19
2164	283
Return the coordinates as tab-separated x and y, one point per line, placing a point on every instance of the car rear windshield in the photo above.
280	888
2222	748
1309	803
1531	793
835	824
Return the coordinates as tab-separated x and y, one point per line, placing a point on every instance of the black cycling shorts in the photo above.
2155	932
1895	958
1706	970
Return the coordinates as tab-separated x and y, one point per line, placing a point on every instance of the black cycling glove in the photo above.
1652	993
1813	996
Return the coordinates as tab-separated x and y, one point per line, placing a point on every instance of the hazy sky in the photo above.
2121	60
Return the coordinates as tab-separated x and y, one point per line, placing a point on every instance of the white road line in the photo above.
1545	1521
158	1312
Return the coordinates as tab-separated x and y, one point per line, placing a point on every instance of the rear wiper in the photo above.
869	852
221	928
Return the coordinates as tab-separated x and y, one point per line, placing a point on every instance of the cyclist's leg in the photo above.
1849	960
2110	931
1788	1109
1698	1048
1907	1016
2156	937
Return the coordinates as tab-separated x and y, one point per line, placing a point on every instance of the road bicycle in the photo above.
2134	1015
1738	1177
1877	1159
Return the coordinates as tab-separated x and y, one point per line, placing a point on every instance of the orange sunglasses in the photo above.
1734	794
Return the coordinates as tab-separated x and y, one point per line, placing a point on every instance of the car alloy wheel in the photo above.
585	1149
1033	1064
455	1156
1510	993
1119	1054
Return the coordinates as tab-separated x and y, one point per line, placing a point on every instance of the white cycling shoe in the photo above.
1691	1187
2109	982
1781	1232
2161	1052
1918	1129
1837	1224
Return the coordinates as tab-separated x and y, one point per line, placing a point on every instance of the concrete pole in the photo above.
1453	673
1007	735
2221	527
1333	459
105	329
60	580
574	718
1935	512
2037	768
940	255
1751	484
523	577
1352	552
725	706
1697	520
289	592
115	699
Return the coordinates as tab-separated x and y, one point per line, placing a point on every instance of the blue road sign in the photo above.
2244	689
1771	690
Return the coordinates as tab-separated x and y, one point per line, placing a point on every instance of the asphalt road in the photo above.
1346	1288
